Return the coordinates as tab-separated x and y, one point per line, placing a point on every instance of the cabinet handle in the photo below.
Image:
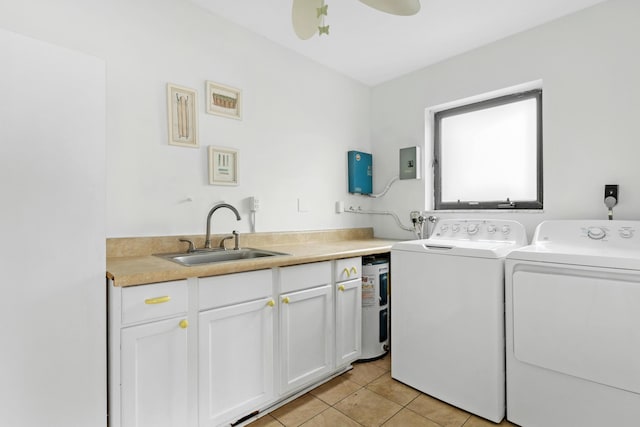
286	300
158	300
354	270
271	303
341	288
184	323
346	271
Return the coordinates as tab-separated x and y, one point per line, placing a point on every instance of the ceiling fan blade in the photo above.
395	7
305	19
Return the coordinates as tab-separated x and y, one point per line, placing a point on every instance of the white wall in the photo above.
591	80
299	120
53	315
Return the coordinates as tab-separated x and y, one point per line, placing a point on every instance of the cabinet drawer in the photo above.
219	291
305	276
146	302
348	269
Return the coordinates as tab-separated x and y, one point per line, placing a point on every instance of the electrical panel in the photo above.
360	172
410	163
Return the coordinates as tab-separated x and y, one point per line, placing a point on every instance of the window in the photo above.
488	155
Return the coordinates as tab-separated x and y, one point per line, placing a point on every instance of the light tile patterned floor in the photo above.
368	396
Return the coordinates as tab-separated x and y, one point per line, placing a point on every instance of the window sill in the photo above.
502	211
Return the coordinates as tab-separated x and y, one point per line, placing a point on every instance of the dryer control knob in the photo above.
491	228
506	229
472	228
626	233
455	228
596	233
444	228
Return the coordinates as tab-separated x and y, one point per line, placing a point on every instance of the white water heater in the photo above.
375	307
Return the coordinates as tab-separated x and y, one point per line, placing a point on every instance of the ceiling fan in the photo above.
308	15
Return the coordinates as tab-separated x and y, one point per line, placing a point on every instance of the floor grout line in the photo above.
384	419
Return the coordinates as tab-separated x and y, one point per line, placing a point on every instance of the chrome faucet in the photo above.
207	242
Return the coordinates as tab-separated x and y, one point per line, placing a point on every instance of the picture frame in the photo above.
225	101
223	166
182	110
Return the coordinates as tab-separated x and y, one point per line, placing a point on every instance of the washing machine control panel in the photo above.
467	229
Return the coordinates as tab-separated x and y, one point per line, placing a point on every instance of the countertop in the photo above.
137	267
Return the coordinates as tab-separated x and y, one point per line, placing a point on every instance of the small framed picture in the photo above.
182	113
223	166
225	101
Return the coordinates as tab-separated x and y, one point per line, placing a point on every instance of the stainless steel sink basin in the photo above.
214	256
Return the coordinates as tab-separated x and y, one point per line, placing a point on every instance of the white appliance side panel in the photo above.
448	329
582	323
52	223
540	397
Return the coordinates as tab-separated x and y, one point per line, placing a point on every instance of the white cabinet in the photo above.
202	352
348	269
149	357
154	374
306	324
348	306
235	346
348	291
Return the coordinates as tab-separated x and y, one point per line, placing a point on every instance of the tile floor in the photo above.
368	396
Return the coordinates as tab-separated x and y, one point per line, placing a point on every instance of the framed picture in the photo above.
225	101
182	110
223	166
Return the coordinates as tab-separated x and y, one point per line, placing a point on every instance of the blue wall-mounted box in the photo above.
360	172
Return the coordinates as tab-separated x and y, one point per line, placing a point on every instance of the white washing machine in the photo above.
573	326
447	313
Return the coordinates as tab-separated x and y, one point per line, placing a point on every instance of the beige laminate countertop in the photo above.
143	269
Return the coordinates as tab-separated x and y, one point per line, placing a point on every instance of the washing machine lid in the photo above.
484	238
595	243
466	248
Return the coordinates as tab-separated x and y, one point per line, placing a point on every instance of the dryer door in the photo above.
579	321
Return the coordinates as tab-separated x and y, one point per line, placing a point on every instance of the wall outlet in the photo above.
303	205
611	190
254	204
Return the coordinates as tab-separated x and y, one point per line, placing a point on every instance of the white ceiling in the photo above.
373	47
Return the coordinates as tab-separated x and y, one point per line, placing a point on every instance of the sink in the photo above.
213	256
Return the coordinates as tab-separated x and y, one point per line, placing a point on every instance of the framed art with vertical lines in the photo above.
182	109
223	166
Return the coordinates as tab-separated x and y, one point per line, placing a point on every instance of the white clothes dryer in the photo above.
573	326
447	313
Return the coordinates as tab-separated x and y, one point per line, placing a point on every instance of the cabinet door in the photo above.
348	321
154	374
306	319
235	360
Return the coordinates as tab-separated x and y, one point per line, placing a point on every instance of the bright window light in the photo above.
488	154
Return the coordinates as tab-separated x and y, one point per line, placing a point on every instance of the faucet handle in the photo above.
192	246
222	242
